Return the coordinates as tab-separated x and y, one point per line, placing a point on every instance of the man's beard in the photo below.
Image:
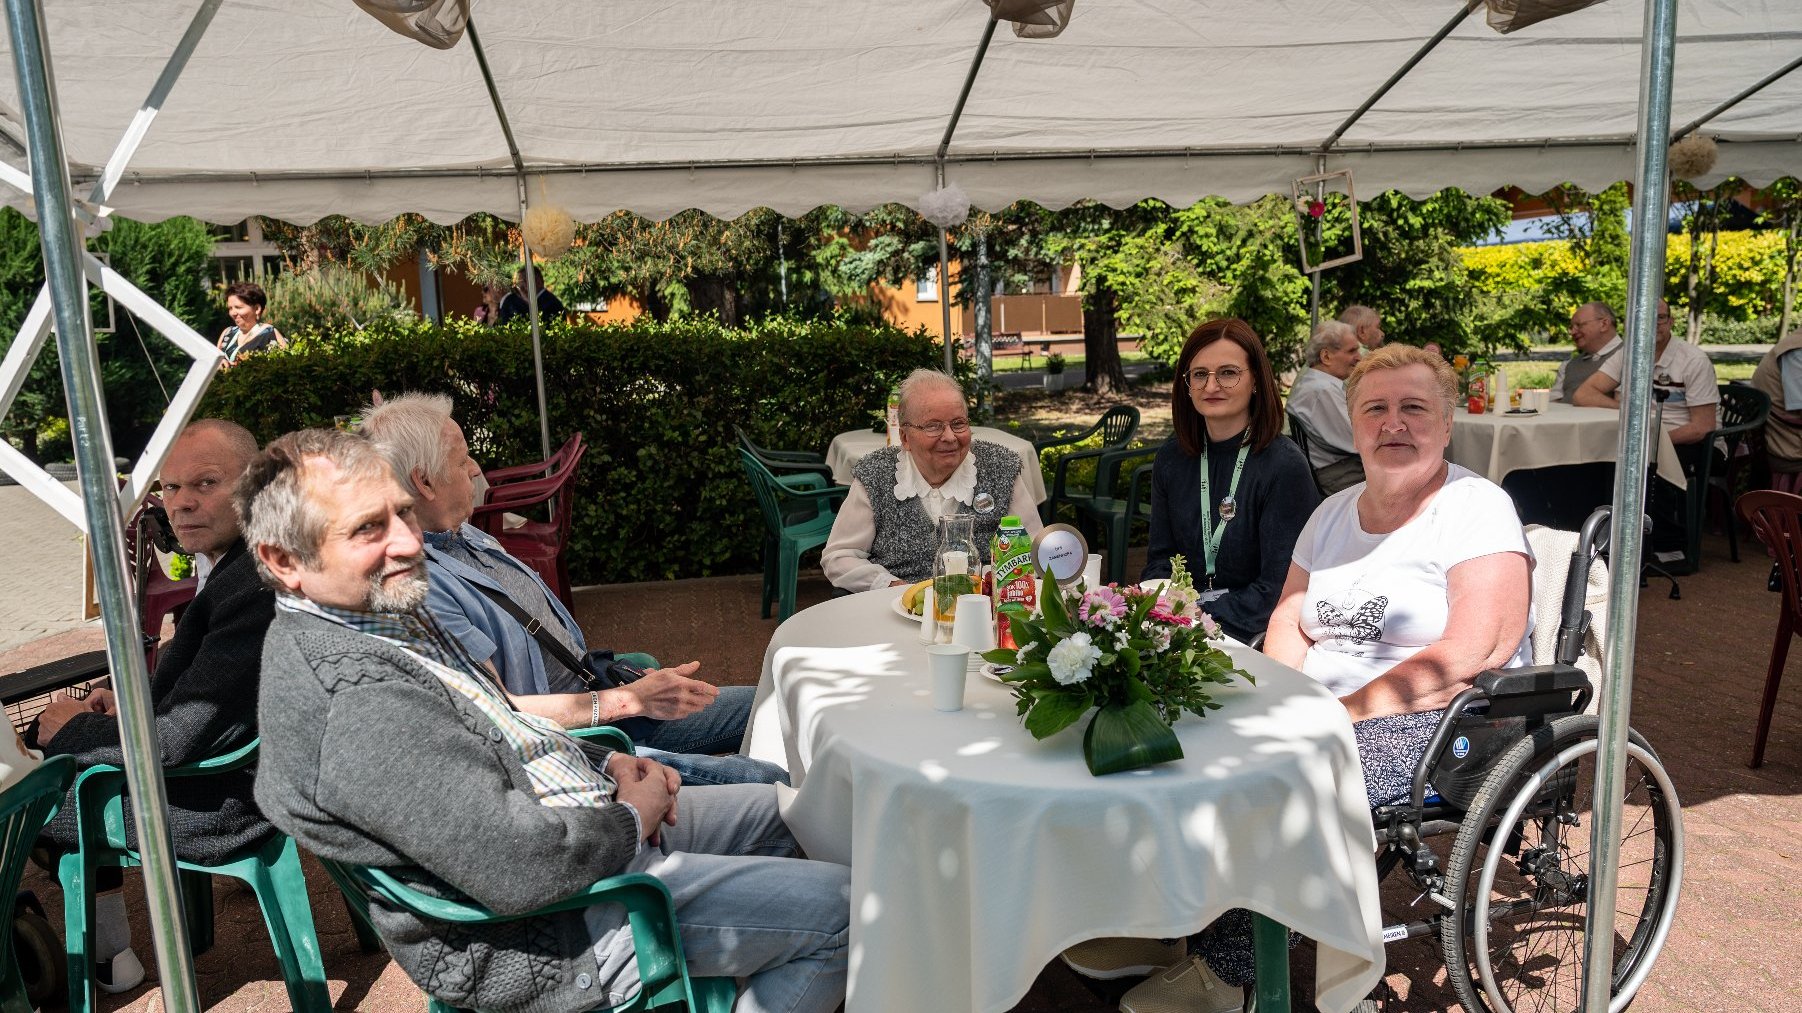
401	595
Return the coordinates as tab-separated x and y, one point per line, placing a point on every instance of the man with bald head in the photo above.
1367	323
1592	330
204	689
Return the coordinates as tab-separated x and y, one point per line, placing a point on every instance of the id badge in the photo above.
1211	594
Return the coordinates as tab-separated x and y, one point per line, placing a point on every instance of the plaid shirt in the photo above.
560	772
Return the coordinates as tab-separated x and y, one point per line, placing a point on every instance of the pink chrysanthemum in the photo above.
1101	607
1171	618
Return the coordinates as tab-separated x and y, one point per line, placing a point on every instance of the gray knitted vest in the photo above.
1576	372
905	534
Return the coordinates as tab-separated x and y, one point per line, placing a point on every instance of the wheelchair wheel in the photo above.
1519	875
40	958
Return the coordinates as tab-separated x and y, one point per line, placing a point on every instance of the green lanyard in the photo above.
1210	536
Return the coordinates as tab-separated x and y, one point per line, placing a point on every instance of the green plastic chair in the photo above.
1740	415
662	969
790	530
787	465
24	809
272	871
1117	426
1111	514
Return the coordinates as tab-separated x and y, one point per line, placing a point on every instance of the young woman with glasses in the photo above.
1229	492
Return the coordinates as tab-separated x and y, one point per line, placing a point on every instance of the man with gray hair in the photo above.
1367	323
1317	404
1592	330
386	744
502	612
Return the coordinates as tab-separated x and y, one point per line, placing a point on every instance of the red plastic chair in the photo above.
1776	518
158	596
538	544
572	447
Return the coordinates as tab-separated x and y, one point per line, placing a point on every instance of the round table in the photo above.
978	854
849	448
1494	444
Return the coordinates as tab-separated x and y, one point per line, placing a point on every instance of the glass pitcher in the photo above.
956	569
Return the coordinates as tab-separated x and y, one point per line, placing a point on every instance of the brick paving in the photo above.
1701	664
40	585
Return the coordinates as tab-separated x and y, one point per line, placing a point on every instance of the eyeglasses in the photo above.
1227	377
937	429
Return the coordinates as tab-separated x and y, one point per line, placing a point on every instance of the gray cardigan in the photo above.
368	758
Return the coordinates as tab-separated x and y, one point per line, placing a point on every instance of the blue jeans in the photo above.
685	744
745	909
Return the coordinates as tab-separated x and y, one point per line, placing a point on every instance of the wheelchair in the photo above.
1508	777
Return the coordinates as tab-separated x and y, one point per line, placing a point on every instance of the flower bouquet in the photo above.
1141	658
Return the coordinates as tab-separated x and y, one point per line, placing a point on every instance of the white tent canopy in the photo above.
304	108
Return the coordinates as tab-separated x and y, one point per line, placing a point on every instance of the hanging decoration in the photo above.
1512	15
945	207
1693	157
437	23
1034	19
549	230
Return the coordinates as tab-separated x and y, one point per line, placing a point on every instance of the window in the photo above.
927	289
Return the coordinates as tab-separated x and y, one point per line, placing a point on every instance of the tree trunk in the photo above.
985	337
714	293
1100	341
1789	273
1693	275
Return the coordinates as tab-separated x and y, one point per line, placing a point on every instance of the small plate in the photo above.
1517	412
901	610
994	672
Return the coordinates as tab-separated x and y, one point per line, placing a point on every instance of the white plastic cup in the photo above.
973	623
1091	571
929	624
950	665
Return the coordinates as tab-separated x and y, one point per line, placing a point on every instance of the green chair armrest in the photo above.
1107	469
616	740
1061	441
1058	471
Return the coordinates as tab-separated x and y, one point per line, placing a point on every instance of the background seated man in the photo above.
204	688
887	527
1592	330
1779	375
1684	383
471	575
1318	400
386	744
1366	323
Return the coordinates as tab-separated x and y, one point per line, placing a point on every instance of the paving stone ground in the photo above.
1700	666
40	583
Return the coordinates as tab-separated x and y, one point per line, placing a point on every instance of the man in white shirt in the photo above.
1317	401
1367	323
1684	383
1592	329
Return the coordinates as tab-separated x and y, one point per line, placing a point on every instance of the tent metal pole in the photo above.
1767	81
78	360
525	254
957	113
1401	72
1645	279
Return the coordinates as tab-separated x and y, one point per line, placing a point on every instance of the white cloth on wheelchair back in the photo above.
1553	548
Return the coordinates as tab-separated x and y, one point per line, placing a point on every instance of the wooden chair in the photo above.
539	544
1776	520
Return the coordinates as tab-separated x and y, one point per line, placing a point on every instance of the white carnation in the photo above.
1073	660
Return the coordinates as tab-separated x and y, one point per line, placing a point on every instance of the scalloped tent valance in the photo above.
300	110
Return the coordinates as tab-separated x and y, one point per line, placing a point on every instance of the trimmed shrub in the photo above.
661	492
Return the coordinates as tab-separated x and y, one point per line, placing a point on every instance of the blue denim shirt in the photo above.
485	631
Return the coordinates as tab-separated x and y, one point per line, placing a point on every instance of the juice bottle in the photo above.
1011	551
894	415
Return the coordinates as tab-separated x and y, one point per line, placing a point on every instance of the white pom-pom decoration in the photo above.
1693	157
945	207
548	230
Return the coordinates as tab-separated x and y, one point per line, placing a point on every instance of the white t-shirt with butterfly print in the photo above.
1375	600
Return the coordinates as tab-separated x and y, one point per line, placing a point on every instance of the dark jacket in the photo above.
514	306
204	691
1275	498
369	758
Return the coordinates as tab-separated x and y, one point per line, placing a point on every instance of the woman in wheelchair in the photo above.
1404	588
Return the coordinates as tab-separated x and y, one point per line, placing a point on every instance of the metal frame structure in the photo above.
100	508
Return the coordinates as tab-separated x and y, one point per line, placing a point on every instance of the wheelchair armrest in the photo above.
1498	683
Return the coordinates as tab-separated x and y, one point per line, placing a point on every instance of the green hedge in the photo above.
661	492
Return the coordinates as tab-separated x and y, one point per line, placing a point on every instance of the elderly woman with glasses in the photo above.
1229	492
887	527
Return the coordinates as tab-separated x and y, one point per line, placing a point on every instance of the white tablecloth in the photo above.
1494	444
849	448
978	854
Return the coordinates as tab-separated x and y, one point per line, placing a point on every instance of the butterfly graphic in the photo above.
1363	626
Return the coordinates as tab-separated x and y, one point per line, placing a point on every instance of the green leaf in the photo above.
1127	737
1052	713
999	656
1052	607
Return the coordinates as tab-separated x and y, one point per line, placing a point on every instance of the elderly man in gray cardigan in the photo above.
386	744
